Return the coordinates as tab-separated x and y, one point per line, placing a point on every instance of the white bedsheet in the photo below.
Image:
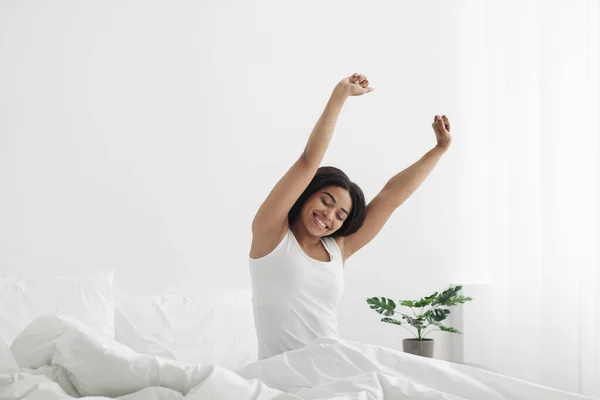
61	358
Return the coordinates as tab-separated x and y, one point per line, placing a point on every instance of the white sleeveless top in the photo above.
295	296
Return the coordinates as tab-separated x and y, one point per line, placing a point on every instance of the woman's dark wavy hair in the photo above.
331	176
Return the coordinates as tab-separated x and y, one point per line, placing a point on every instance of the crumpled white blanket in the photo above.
58	357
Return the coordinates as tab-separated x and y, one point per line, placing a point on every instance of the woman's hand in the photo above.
355	85
441	127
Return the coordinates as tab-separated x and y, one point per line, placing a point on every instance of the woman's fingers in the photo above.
438	122
359	79
446	122
440	118
357	85
363	81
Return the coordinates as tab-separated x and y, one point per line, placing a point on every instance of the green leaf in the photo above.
391	321
417	322
458	300
423	303
439	314
407	303
433	317
450	297
382	305
433	296
448	329
444	297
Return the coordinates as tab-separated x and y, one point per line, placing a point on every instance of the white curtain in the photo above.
535	193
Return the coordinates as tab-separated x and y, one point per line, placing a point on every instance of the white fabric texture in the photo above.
62	358
88	296
7	361
295	297
209	328
532	187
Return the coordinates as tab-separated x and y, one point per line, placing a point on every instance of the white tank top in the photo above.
295	296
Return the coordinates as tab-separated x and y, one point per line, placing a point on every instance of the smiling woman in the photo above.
311	222
296	258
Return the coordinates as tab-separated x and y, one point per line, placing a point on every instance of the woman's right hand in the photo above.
355	85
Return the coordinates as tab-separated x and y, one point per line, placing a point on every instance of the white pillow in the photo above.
85	296
211	328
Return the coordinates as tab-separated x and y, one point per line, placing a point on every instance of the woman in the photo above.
313	220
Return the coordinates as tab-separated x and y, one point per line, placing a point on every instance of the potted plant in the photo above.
428	312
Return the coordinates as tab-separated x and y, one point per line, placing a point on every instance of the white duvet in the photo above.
61	358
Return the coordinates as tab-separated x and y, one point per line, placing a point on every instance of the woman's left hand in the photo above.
441	127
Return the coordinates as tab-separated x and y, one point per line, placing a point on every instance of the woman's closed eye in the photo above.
328	205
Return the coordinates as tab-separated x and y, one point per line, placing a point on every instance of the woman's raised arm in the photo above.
270	221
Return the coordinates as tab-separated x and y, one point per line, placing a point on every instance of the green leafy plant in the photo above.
428	312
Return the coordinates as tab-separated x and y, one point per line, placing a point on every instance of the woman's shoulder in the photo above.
339	242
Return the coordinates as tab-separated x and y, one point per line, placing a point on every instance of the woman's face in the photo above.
325	211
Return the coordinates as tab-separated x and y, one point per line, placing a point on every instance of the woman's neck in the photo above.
303	237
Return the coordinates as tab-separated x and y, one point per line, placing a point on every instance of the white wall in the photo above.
142	136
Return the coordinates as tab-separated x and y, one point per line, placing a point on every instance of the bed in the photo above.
75	336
